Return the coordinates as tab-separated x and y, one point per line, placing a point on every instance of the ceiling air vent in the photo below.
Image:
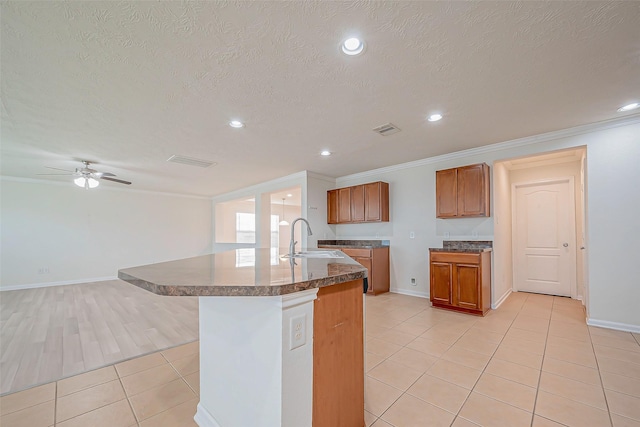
190	161
387	129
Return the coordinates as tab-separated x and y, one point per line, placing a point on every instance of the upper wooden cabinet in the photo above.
360	203
344	205
463	192
357	203
332	207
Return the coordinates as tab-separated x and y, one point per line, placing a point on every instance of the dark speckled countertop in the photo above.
464	246
364	244
243	272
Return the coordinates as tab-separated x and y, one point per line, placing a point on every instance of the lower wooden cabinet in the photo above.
376	260
461	281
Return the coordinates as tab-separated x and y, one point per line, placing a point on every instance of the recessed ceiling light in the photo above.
289	195
629	107
352	46
236	124
434	117
325	153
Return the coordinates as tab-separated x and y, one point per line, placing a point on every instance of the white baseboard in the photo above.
614	325
203	418
420	294
501	299
61	283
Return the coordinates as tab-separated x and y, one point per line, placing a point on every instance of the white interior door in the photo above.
544	237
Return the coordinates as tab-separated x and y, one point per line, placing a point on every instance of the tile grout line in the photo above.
483	370
544	352
55	404
126	396
606	401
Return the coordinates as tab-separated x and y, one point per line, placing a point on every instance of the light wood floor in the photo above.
51	333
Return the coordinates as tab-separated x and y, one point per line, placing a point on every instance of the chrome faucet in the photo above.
292	244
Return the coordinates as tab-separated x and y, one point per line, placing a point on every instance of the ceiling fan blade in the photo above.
58	169
120	181
101	174
56	174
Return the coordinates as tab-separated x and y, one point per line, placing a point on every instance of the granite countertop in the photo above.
242	272
465	246
364	244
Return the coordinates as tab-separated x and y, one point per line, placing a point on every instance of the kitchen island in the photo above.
281	340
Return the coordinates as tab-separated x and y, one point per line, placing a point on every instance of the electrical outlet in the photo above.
447	235
43	270
412	235
474	234
413	281
298	331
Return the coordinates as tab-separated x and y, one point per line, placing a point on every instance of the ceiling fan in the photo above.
87	177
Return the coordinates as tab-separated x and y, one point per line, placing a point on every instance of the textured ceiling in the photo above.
130	83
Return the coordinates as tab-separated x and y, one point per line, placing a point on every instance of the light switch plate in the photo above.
412	235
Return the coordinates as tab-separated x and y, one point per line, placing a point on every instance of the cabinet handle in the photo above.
566	245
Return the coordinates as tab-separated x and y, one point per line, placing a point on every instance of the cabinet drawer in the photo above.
455	257
360	253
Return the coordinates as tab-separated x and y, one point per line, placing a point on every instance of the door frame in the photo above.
573	286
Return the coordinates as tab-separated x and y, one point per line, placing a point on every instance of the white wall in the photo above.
316	208
502	274
81	235
613	158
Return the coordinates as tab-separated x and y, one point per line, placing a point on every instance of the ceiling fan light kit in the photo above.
86	183
88	178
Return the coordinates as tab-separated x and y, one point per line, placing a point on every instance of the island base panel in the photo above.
338	356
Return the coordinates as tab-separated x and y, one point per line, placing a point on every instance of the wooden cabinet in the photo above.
338	356
376	202
463	192
344	205
376	260
359	203
461	281
446	193
332	207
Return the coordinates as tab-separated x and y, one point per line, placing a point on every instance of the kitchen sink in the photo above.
316	254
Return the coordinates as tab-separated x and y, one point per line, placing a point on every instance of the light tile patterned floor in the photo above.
533	362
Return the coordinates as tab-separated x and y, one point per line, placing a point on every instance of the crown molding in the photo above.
321	177
520	142
70	184
293	179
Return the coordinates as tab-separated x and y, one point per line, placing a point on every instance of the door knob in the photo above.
566	245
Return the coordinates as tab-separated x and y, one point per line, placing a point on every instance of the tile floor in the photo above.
532	362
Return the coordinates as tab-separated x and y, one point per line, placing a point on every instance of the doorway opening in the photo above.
540	224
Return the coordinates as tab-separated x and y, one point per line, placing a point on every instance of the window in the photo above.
235	221
275	239
245	227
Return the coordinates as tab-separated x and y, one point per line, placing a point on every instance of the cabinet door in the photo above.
344	205
466	289
473	191
446	200
376	201
357	203
366	262
332	207
441	282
